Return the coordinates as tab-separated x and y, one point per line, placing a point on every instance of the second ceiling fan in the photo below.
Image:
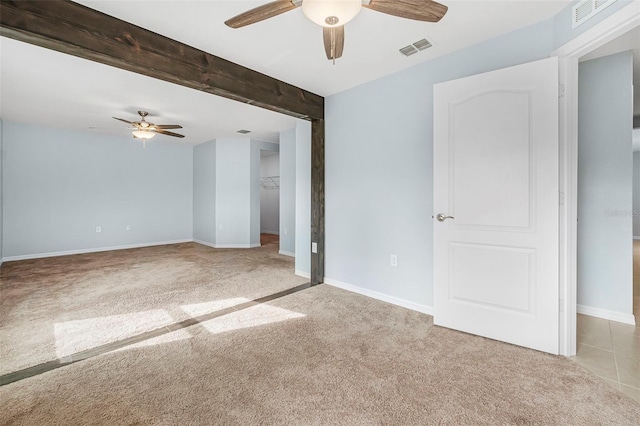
332	15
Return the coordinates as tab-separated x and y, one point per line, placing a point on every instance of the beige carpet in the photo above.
51	308
321	356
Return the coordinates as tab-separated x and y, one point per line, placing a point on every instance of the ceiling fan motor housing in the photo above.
331	13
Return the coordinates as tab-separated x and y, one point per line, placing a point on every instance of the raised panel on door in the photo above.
491	160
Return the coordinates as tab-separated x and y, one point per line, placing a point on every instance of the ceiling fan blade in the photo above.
164	132
126	121
167	126
261	13
333	42
419	10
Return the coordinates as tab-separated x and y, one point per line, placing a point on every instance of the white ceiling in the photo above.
83	95
289	47
79	94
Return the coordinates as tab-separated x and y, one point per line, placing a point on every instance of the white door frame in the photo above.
568	55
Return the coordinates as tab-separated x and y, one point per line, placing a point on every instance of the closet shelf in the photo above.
270	182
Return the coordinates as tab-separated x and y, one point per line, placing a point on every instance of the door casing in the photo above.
568	55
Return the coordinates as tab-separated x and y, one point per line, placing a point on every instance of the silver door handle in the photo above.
442	218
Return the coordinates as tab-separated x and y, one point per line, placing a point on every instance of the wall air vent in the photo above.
587	9
244	132
416	47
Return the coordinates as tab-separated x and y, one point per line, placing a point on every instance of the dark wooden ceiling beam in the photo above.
80	31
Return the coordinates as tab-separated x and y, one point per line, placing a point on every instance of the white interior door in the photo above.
496	175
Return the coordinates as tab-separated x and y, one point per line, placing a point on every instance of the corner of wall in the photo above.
287	201
204	193
1	189
303	197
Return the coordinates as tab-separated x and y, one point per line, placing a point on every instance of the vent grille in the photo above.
244	132
409	50
587	9
416	47
422	44
583	10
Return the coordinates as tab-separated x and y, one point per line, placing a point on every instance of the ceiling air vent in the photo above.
409	50
416	47
587	9
422	44
244	132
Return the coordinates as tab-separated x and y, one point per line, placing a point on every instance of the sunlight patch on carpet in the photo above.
251	317
76	336
79	335
208	307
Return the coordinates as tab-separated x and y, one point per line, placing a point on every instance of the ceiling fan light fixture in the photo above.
143	134
331	13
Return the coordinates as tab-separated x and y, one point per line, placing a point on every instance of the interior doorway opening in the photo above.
609	81
619	23
608	255
269	198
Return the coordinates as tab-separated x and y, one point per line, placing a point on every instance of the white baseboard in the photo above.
91	250
236	246
636	238
204	243
287	253
270	232
380	296
303	274
607	315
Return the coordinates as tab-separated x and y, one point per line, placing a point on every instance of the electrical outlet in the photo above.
98	229
128	228
314	247
394	260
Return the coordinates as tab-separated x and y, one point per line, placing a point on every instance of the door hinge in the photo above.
561	198
560	90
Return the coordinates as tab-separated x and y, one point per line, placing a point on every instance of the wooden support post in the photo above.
317	200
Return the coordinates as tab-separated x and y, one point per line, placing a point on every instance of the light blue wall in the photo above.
636	194
288	192
254	185
233	192
379	167
204	192
605	177
226	200
562	27
59	185
303	197
1	190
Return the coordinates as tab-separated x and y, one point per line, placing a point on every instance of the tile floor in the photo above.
611	350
